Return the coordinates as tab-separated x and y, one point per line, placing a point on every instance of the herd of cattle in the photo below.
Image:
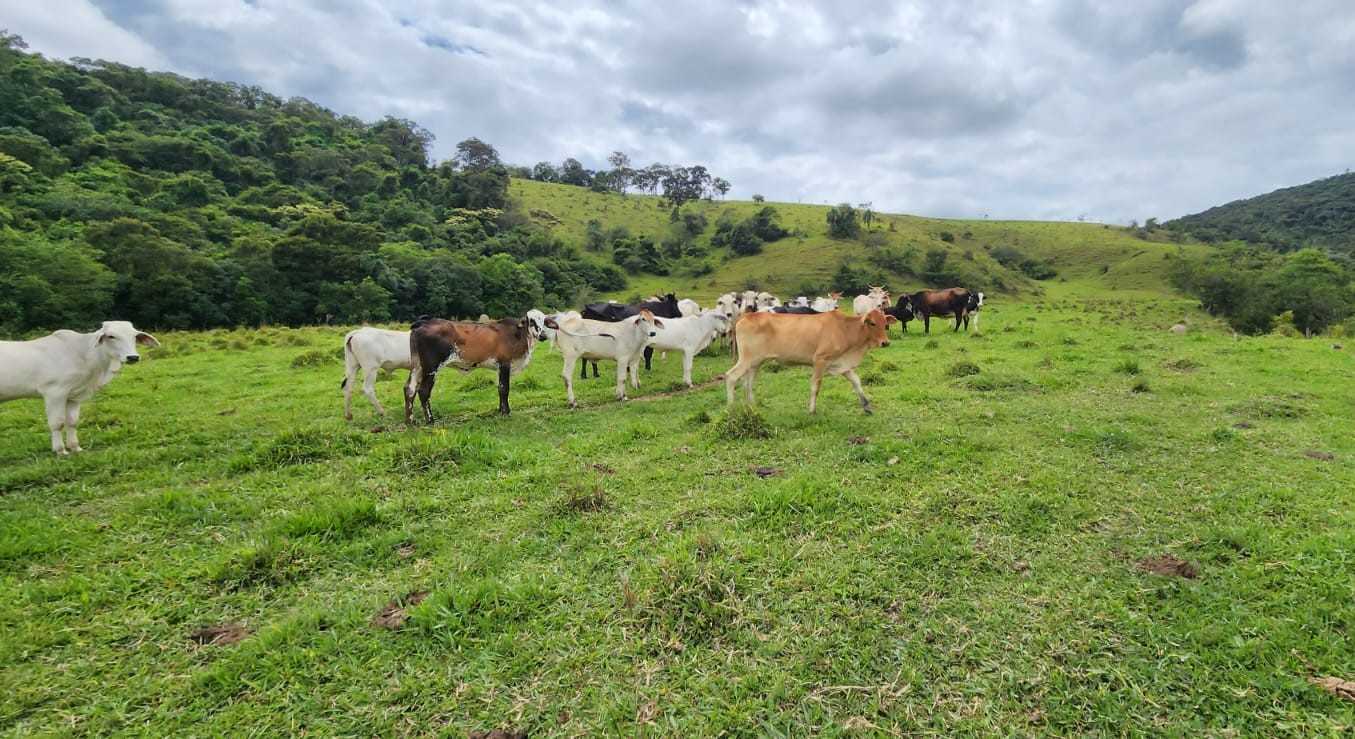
66	368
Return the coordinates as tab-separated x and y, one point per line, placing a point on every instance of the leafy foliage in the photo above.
1320	213
1251	288
180	203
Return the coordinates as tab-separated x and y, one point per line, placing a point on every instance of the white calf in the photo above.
65	369
823	305
371	350
690	335
878	297
624	341
688	307
767	301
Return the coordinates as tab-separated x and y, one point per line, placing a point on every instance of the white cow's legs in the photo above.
622	368
56	421
687	358
568	373
369	389
72	420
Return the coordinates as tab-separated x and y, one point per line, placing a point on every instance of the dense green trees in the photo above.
182	203
1252	288
1320	213
843	222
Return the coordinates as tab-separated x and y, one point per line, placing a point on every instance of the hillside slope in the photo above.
1320	213
1090	257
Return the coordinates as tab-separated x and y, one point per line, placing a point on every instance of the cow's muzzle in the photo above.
884	343
132	359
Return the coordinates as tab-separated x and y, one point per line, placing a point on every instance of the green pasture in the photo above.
1076	522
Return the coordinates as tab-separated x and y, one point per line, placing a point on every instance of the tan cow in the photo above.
830	342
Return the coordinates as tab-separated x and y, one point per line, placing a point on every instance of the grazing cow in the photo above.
830	342
823	305
877	298
505	345
371	350
665	307
688	307
690	335
972	310
951	301
65	369
583	338
767	301
902	311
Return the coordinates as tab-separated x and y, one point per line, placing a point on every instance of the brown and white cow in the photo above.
829	342
953	301
505	345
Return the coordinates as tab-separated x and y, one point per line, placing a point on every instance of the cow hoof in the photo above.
77	450
868	411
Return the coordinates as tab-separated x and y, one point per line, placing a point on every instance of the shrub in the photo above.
963	369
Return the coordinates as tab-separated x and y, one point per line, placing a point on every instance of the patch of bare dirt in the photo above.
221	634
1242	425
1021	566
766	472
1344	689
1168	566
1316	454
405	550
859	440
602	469
395	614
498	734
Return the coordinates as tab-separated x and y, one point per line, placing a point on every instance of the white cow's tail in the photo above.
350	363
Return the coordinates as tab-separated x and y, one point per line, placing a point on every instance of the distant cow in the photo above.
829	342
505	345
369	351
823	305
688	307
65	369
972	310
666	307
797	309
587	339
767	301
689	335
902	311
953	301
728	305
878	297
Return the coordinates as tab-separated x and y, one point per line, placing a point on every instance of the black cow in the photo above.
665	307
795	309
902	311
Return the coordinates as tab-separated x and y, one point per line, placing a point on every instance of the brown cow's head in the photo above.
877	327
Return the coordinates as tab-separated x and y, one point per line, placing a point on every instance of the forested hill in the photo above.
179	203
1320	213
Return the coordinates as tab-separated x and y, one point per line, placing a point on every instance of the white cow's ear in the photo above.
658	323
146	339
102	337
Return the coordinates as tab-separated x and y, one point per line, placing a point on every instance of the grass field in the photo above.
972	559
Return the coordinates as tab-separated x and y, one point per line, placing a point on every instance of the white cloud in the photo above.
1047	110
75	28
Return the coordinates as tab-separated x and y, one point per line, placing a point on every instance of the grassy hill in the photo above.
1320	213
1088	257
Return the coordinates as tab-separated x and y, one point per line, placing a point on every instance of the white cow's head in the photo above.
536	325
118	341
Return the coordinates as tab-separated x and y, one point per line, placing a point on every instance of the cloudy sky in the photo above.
1046	109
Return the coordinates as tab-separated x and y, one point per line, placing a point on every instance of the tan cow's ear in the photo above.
146	339
890	319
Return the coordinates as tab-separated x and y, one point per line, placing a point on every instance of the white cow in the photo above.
371	350
690	335
728	304
800	301
767	301
624	341
823	305
65	369
747	301
688	307
878	297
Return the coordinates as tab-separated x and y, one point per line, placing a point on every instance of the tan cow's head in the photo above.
877	327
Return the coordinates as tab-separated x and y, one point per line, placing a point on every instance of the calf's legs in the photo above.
568	373
860	393
368	389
